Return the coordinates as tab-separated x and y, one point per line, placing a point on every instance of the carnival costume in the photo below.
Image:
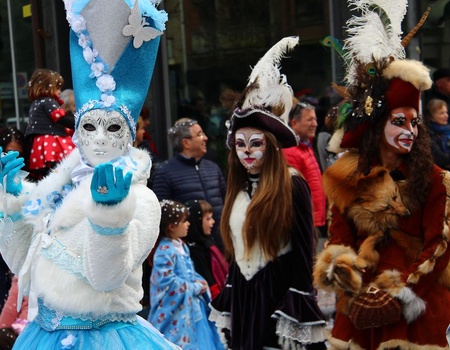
78	238
270	302
382	241
179	309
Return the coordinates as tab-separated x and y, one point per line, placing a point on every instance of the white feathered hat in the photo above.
379	78
267	100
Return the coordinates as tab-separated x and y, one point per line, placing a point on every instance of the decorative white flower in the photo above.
108	100
78	23
68	342
83	40
69	12
97	69
90	55
106	83
68	4
69	16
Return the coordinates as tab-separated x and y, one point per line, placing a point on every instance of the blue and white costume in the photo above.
78	238
83	260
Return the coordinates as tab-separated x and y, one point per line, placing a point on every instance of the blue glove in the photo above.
10	166
103	188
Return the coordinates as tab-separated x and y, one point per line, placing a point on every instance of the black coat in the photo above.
181	179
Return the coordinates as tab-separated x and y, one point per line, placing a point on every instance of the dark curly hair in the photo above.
419	162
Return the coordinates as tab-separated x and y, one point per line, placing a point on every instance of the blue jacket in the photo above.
182	180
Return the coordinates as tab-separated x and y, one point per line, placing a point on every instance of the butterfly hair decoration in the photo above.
139	28
113	50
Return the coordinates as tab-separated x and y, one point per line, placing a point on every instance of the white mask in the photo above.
103	136
250	148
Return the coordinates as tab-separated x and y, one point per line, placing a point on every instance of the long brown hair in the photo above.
268	220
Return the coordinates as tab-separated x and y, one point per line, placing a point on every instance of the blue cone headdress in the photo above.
113	49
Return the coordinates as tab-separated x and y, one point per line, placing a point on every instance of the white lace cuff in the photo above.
295	336
222	321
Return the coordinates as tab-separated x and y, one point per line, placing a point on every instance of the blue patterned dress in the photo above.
178	310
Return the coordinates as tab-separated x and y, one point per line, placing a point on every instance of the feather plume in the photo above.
330	41
269	88
376	34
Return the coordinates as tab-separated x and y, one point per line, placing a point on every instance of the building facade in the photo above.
209	45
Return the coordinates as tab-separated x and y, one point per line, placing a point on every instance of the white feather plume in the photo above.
374	34
273	89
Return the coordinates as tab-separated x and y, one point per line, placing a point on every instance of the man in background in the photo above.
303	121
188	176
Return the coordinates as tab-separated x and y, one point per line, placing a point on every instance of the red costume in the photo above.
389	227
427	224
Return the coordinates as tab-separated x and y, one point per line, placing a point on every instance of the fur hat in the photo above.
379	78
267	99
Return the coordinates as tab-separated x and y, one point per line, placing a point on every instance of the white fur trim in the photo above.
111	278
118	215
411	71
334	145
412	305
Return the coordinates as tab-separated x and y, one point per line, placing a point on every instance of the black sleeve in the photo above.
202	263
68	121
303	233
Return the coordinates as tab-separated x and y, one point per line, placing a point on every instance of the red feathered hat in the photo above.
404	82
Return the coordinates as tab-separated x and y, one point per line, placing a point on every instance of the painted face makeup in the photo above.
400	130
250	148
103	136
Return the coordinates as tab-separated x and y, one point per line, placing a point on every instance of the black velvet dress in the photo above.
280	292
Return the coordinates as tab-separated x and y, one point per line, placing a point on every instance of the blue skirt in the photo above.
112	336
207	333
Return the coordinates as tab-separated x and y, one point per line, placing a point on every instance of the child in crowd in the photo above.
179	295
46	131
12	139
208	260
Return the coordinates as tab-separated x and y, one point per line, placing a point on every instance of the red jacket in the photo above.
302	158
